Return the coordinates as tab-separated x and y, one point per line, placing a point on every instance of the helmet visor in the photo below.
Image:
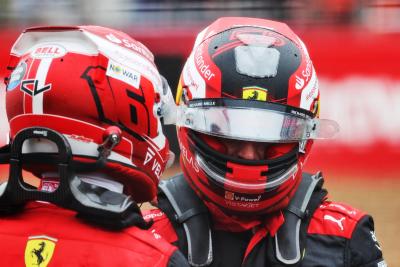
253	121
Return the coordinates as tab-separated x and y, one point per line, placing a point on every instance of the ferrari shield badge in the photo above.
255	93
39	250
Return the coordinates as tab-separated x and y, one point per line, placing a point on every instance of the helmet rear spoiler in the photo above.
51	28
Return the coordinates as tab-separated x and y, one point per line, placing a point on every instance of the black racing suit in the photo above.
330	234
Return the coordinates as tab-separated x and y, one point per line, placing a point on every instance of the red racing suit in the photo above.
46	235
324	233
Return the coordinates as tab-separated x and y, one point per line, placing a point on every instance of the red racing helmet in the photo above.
248	80
88	83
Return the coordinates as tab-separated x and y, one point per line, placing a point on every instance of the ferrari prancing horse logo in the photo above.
39	250
255	93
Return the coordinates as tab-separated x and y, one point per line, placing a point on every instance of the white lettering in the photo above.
340	207
138	47
245	199
241	204
299	83
156	166
156	235
203	68
113	38
149	155
188	158
307	72
44	133
153	215
49	51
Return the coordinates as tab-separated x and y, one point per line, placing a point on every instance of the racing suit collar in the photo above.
224	222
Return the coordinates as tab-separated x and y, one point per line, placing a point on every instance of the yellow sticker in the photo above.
179	92
255	93
318	108
39	250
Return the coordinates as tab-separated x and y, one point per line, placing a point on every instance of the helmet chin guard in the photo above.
242	175
93	203
239	186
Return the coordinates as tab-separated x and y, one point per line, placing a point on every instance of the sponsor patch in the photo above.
48	51
155	234
299	83
131	44
48	185
122	73
16	76
39	251
153	215
31	87
255	93
229	195
155	166
113	38
204	68
236	197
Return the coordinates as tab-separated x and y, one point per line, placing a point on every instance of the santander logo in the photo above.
131	44
299	83
305	75
308	70
204	68
113	38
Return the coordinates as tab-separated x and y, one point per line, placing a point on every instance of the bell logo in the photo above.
49	51
255	93
39	251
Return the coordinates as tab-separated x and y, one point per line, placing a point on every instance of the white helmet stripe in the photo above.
41	74
193	78
309	92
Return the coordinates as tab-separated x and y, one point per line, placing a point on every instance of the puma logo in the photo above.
333	219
